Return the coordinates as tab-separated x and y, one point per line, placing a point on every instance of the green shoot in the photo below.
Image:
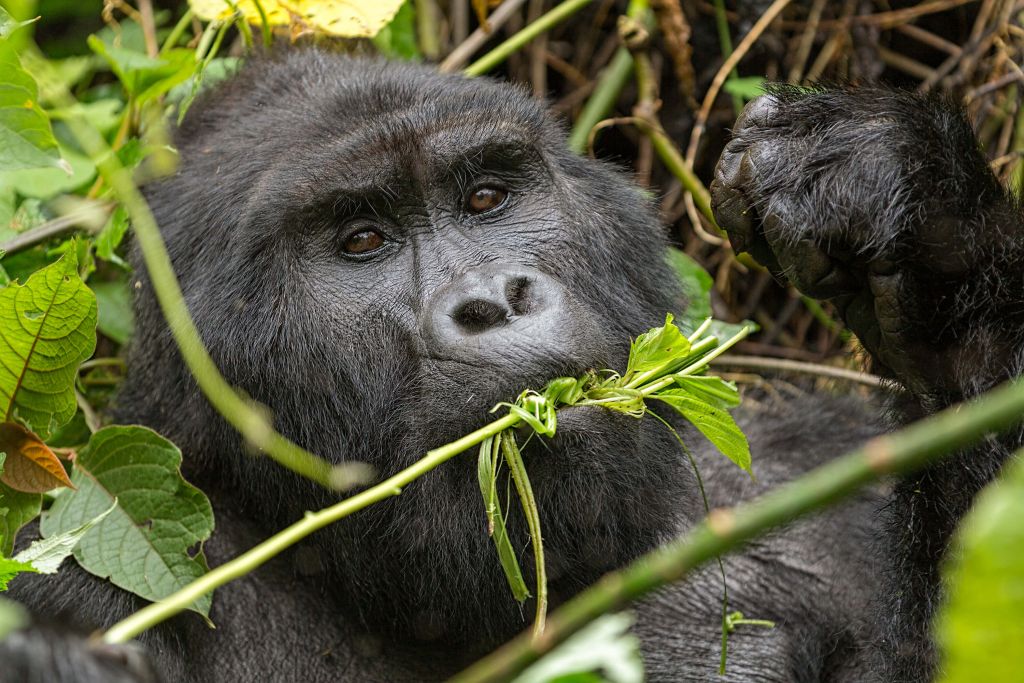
664	365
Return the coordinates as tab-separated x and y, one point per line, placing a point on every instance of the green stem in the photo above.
175	35
646	376
693	368
518	470
909	449
611	83
725	41
677	166
157	612
244	415
543	23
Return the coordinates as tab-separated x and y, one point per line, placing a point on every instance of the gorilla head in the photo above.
379	254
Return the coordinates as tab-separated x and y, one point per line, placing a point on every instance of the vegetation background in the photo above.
651	84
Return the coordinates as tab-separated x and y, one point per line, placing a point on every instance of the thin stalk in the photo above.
543	23
175	35
725	42
697	349
158	612
922	443
677	166
611	83
518	470
693	368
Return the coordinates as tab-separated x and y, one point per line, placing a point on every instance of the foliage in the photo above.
332	17
124	484
48	328
143	544
980	628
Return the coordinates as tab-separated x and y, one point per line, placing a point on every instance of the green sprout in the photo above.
664	365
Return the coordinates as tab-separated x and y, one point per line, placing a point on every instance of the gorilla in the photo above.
379	254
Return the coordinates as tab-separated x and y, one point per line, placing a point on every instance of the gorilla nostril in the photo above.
517	294
480	315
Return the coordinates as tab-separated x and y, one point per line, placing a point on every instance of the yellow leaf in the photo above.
30	467
344	18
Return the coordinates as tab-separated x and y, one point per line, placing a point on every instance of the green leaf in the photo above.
116	320
12	617
487	473
657	347
142	76
143	545
16	510
604	651
714	422
47	328
712	390
8	25
980	629
696	284
398	38
747	87
47	554
44	183
11	568
26	139
110	237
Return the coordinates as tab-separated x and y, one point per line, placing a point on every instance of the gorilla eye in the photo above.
484	199
363	242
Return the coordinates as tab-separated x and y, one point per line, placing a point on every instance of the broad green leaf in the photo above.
47	554
398	39
26	140
11	568
715	423
143	545
47	328
16	510
12	617
115	307
30	467
656	347
696	284
980	629
44	183
487	473
345	18
146	77
747	87
710	389
8	25
605	652
110	237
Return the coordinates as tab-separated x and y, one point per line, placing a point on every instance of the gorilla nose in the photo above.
496	310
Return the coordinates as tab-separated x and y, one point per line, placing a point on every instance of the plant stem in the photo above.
518	470
157	612
246	416
543	23
695	367
725	42
611	83
724	530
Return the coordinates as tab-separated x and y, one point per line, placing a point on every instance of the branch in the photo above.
909	449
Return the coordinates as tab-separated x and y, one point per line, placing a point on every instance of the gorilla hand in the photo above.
880	201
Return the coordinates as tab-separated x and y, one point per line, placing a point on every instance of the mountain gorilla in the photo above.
379	254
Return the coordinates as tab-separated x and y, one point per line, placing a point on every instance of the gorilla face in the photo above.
380	254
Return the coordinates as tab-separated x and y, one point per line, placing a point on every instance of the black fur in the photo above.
283	161
882	202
